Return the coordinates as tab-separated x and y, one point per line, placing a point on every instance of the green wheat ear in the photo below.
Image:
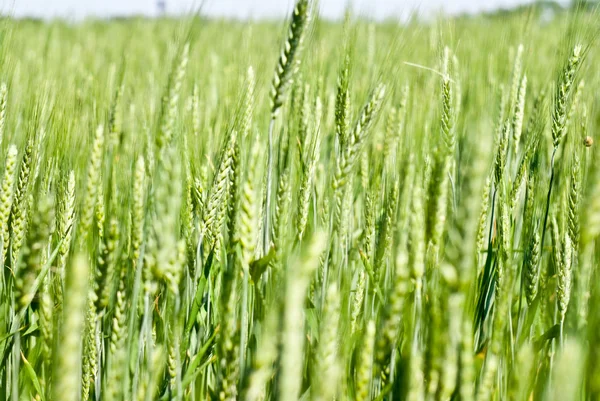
6	197
342	101
287	66
563	94
365	366
355	142
92	186
297	281
66	220
138	213
326	366
289	59
169	110
32	260
18	217
3	103
67	370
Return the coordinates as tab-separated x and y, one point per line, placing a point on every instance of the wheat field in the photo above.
203	209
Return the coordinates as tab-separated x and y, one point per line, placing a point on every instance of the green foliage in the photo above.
174	226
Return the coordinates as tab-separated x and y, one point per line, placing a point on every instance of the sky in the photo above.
77	9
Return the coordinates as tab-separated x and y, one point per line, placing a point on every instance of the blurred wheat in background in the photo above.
202	209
